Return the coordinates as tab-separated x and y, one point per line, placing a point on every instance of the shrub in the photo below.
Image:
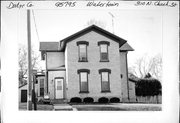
148	87
88	100
114	100
103	100
76	100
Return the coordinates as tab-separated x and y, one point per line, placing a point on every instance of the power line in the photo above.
35	25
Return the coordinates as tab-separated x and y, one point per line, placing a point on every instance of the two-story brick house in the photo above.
89	63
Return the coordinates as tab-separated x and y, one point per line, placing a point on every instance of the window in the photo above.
83	51
104	51
105	83
83	80
59	85
41	87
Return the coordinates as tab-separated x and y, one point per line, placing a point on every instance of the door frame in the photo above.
55	86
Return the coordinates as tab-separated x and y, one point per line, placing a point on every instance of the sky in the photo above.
141	29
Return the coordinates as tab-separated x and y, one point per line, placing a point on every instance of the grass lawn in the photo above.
40	107
117	107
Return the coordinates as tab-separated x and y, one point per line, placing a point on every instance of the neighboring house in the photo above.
39	88
89	63
23	93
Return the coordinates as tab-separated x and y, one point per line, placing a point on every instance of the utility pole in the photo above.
29	101
112	16
34	90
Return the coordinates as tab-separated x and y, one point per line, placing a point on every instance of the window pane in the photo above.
84	83
105	76
104	52
82	55
104	56
105	81
105	86
84	86
41	87
41	91
83	76
59	85
103	48
41	83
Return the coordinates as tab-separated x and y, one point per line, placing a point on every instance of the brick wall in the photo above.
93	64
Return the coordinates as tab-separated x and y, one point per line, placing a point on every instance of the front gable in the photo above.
90	29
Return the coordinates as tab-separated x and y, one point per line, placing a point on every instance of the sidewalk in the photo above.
95	107
63	107
117	107
40	107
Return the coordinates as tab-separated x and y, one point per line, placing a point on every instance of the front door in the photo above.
59	88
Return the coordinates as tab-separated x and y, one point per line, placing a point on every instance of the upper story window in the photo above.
105	80
83	80
83	51
104	57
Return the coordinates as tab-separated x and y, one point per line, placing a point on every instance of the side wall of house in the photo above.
51	81
124	77
55	59
93	64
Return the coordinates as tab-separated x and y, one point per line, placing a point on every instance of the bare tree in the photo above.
145	66
23	62
97	23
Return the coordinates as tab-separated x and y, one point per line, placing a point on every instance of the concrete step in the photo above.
62	107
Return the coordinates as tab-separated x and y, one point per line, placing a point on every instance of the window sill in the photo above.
104	61
84	92
83	61
105	91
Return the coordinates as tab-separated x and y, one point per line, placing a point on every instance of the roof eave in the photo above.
116	38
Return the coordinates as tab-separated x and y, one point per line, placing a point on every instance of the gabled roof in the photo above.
126	47
23	85
60	46
132	78
88	29
49	46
